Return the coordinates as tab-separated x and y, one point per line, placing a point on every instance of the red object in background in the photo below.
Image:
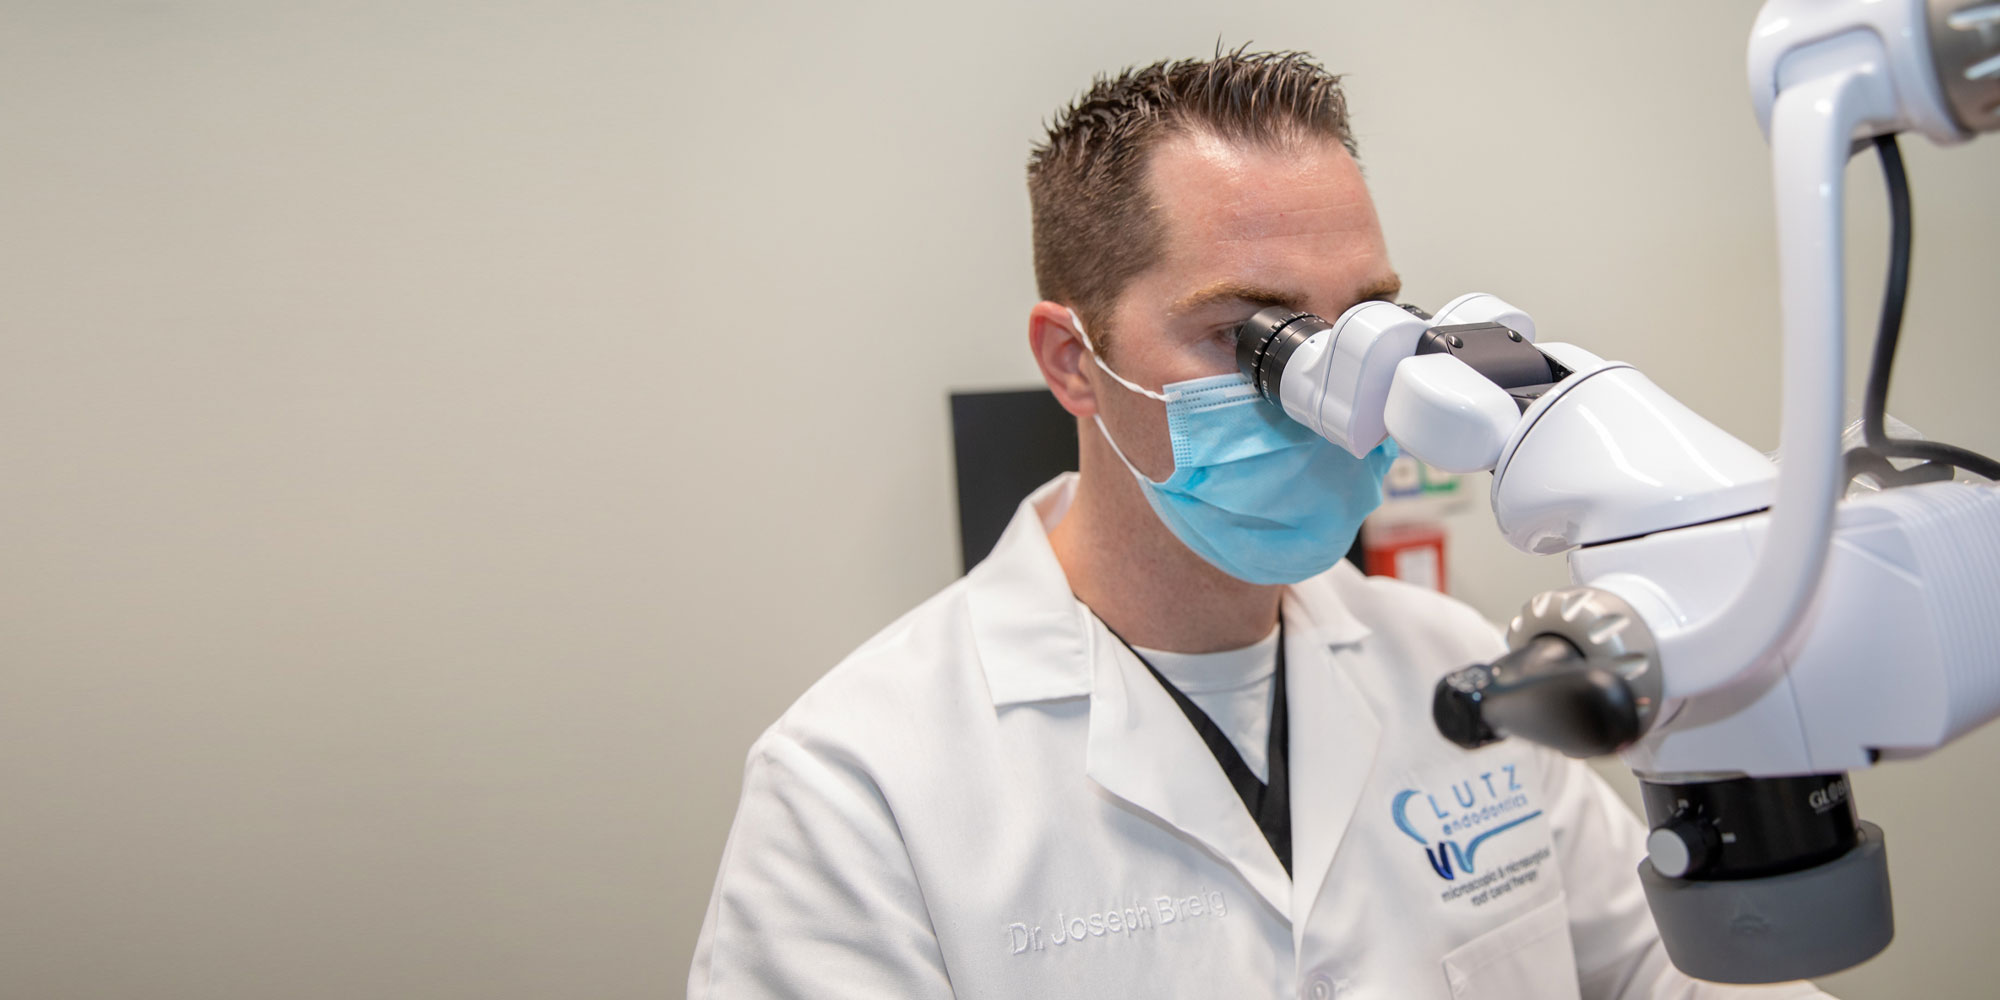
1411	551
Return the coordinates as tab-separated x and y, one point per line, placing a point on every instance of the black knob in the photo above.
1456	708
1547	692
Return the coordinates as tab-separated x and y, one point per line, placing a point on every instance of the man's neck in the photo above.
1148	587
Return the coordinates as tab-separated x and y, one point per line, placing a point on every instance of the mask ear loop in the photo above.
1141	390
1120	379
1120	452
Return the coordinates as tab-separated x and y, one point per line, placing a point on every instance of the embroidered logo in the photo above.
1480	808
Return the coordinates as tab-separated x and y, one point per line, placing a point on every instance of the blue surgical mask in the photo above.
1257	494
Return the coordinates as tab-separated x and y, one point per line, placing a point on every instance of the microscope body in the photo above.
1738	631
1893	659
1759	868
1668	513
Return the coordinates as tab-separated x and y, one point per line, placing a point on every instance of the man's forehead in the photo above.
1266	224
1224	188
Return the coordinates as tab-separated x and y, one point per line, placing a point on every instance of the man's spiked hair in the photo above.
1095	223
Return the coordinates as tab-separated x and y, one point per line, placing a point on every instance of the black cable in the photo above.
1888	331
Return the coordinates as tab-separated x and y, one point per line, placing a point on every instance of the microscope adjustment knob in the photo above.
1681	846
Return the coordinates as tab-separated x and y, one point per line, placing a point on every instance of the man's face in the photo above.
1245	227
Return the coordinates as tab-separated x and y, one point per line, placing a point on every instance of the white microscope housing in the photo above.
1663	515
1741	634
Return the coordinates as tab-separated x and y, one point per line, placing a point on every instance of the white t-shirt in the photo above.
1233	687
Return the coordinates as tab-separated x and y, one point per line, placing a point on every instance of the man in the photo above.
1160	743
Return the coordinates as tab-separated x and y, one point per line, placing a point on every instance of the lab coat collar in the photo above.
1335	736
1142	750
1037	642
1033	634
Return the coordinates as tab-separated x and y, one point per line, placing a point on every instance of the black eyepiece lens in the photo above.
1267	340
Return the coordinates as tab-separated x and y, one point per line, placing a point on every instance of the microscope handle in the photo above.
1545	691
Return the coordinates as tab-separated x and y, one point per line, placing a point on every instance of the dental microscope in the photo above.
1744	634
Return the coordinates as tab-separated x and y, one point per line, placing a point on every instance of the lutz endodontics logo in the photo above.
1465	816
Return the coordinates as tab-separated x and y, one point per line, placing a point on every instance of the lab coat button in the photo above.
1321	989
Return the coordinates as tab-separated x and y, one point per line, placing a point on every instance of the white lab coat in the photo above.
992	798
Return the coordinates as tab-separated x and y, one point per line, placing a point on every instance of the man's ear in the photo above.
1060	353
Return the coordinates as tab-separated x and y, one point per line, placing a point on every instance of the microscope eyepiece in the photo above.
1265	343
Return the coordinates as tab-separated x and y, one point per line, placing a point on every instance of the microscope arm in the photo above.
1813	126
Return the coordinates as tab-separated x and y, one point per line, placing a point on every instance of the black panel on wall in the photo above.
1006	443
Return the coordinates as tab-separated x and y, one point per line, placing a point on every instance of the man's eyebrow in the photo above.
1382	288
1235	291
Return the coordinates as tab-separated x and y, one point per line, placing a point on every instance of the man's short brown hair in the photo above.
1095	225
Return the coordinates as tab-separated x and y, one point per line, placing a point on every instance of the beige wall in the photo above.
437	437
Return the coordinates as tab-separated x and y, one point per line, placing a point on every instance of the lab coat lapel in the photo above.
1335	736
1143	750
